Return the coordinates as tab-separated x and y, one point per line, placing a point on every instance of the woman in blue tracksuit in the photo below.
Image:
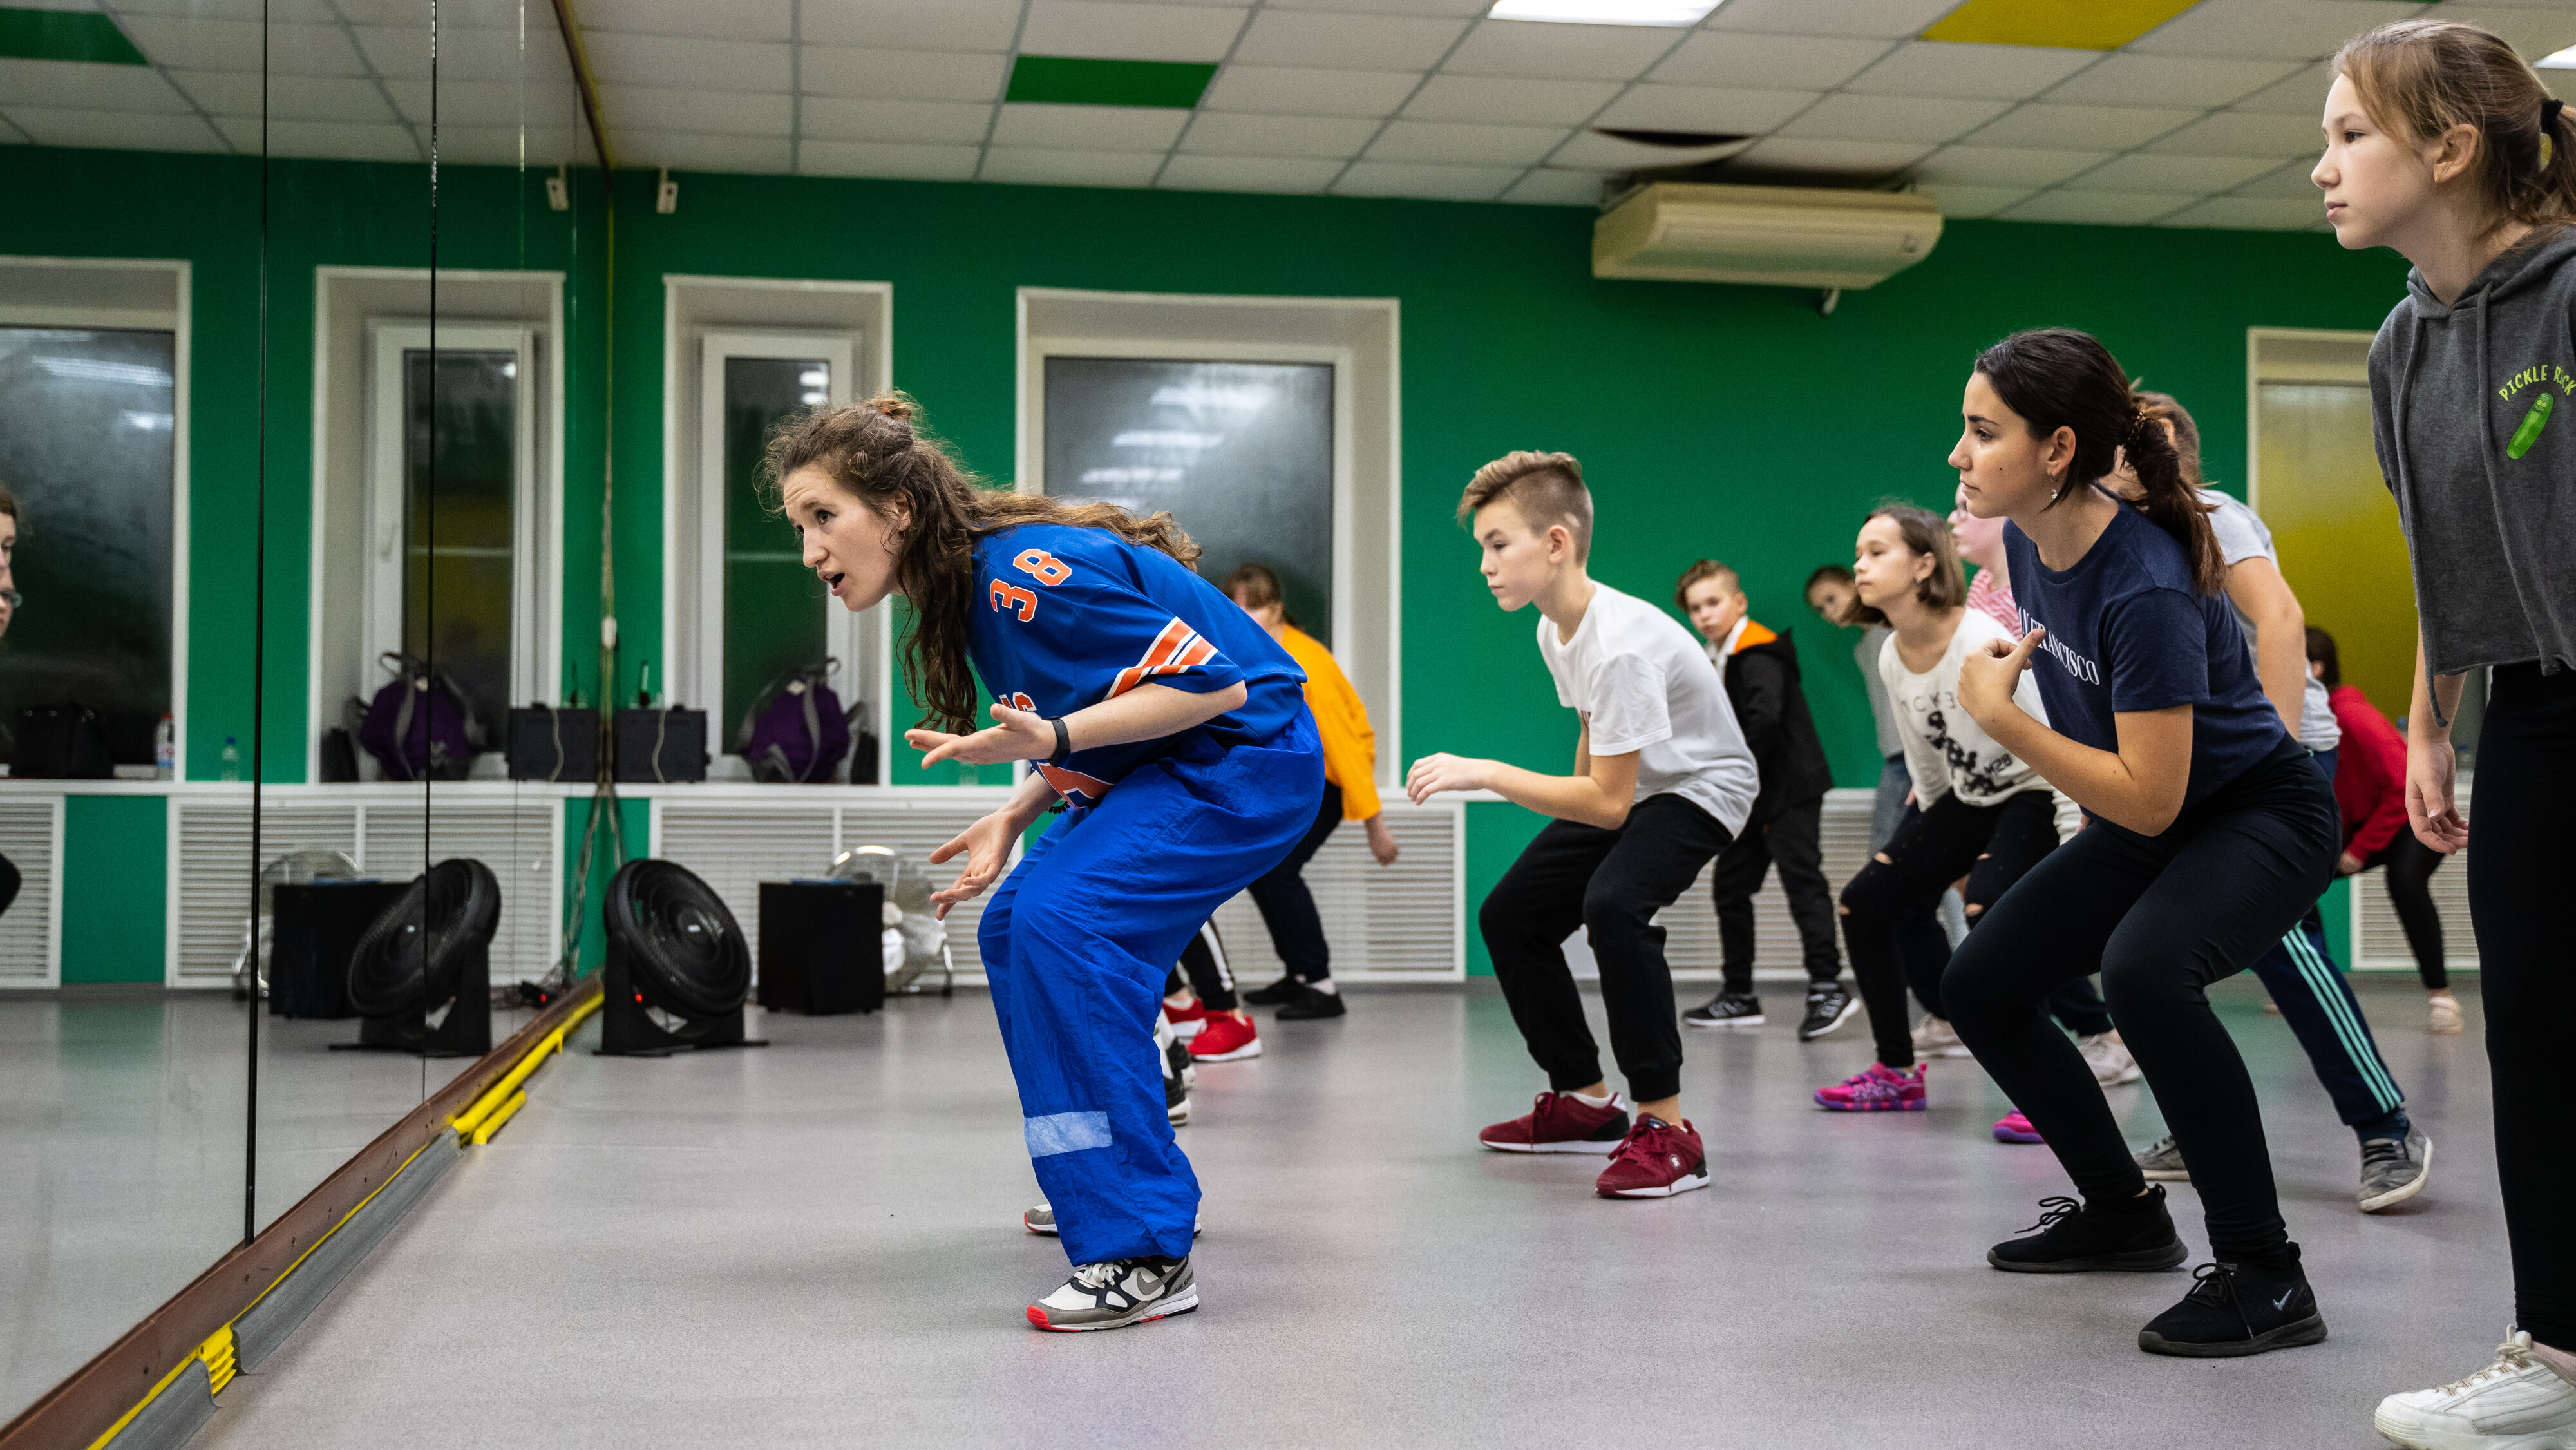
1173	731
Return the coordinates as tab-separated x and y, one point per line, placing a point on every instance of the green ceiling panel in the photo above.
65	35
1065	80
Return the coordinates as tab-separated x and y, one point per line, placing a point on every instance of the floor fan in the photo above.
678	968
431	949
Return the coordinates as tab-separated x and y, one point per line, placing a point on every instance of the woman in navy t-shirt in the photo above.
2208	834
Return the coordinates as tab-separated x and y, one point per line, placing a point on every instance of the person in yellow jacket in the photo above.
1350	793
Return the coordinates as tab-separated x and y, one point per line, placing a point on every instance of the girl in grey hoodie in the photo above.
2442	144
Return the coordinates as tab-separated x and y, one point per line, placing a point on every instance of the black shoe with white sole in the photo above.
2133	1235
1312	1005
1828	1007
1726	1009
2237	1309
1277	994
1116	1294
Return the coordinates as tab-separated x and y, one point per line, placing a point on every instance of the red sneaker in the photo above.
1881	1089
1224	1039
1186	1021
1656	1160
1560	1124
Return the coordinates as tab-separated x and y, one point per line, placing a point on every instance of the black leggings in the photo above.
2410	866
1990	845
1288	908
1209	976
2517	880
2161	917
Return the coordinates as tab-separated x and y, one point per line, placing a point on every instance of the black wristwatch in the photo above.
1063	741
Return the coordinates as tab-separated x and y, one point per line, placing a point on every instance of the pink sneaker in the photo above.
2012	1127
1881	1089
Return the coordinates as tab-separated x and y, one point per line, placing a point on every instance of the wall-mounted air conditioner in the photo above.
1782	236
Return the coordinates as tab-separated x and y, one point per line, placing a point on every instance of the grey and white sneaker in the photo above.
1935	1037
2517	1403
1041	1220
1828	1007
1726	1009
1116	1294
2161	1162
2393	1172
2111	1063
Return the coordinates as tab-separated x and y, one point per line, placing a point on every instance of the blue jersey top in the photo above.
1067	617
2127	632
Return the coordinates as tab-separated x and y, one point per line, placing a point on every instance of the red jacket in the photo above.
2370	773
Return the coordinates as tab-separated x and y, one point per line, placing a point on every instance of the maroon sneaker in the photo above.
1656	1160
1560	1124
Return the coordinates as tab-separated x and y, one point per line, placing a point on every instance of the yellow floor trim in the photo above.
499	1095
221	1364
492	1124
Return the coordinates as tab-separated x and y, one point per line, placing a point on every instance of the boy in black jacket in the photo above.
1761	673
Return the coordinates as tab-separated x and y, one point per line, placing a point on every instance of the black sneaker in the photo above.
2236	1309
1176	1081
1726	1009
1828	1007
1277	994
1312	1004
2080	1238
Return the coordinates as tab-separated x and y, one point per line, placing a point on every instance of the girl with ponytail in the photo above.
1162	720
2444	145
2210	834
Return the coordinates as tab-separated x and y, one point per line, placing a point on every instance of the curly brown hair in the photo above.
873	452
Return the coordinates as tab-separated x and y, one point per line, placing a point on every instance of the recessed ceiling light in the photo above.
2558	60
1673	13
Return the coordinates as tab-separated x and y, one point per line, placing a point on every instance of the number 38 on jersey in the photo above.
1038	564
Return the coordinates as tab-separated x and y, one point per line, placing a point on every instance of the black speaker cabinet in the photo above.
316	927
550	744
819	946
661	745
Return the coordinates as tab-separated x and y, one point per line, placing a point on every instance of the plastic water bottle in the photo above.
165	749
231	761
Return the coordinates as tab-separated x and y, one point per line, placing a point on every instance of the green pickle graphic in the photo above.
2528	432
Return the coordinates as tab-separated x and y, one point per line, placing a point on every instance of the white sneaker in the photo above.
1935	1037
2111	1063
2517	1403
2442	1014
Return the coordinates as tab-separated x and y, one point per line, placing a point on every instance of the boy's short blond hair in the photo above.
1700	572
1546	487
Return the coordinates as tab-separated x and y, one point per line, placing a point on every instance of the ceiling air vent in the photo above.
1782	236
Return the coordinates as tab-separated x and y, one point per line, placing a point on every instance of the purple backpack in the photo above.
795	730
420	725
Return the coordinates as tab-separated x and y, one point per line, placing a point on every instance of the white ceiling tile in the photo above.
679	150
838	118
1703	108
1090	128
465	55
710	112
1550	187
1562	52
2023	167
1356	42
123	130
79	87
732	20
2303	94
2533	30
178	41
538	146
1071	168
1296	175
1883	19
334	140
2103	128
1446	183
1847	117
453	15
1948	68
2107	208
749	66
1773	62
2246	133
1232	133
297	98
1968	203
2290	183
313	12
2144	171
901	75
1444	142
1595	151
911	24
1850	158
1524	102
1274	91
1389	7
2250	213
2270	29
484	103
2170	80
1118	31
863	158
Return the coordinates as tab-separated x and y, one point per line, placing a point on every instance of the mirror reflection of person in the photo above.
9	880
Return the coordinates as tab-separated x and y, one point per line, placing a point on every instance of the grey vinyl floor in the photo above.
816	1244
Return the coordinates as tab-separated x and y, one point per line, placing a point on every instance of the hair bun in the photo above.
898	406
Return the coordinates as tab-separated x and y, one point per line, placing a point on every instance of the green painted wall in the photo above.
116	852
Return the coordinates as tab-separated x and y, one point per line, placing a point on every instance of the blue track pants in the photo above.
1077	944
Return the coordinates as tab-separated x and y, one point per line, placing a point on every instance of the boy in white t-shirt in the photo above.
1662	781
